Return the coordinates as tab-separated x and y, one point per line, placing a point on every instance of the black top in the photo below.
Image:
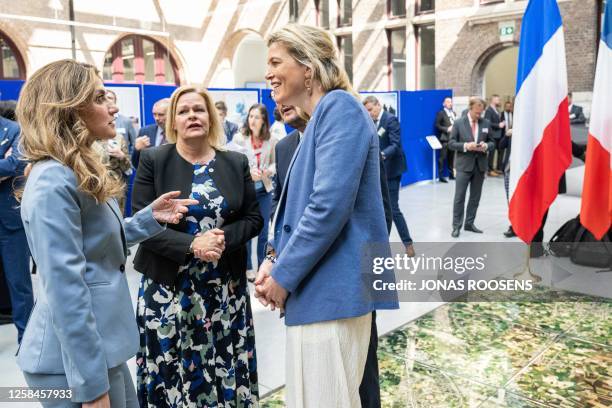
162	169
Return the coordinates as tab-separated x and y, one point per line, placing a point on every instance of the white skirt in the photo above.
325	363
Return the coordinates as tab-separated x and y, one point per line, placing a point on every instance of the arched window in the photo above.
12	66
140	59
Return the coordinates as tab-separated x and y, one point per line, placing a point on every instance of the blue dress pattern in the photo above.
197	342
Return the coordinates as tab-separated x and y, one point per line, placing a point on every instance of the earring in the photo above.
308	84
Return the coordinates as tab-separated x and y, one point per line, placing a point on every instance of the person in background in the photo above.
123	125
444	125
497	126
392	155
256	138
14	251
7	109
82	329
115	156
576	113
229	128
277	130
197	341
471	139
152	135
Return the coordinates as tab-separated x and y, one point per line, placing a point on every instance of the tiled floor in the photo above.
492	343
499	355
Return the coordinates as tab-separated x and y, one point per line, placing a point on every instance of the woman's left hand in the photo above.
271	293
168	209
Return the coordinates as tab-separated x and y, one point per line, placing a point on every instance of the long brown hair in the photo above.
264	133
49	110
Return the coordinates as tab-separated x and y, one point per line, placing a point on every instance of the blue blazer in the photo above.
151	132
10	168
330	210
391	145
83	322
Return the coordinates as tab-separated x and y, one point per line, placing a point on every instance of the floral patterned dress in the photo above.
197	342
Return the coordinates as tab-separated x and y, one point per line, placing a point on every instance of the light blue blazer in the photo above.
329	213
83	322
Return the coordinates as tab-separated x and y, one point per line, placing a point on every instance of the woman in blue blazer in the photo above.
328	223
82	329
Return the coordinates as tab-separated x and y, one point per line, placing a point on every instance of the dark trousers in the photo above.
369	390
265	202
398	217
500	157
473	180
15	255
446	155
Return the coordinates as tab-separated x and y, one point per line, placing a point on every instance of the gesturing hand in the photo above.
168	209
209	246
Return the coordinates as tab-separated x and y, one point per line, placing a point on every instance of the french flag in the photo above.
596	211
541	145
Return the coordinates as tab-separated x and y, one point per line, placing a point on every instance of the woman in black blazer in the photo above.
197	340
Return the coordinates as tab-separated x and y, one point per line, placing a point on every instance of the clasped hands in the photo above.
267	290
209	246
476	147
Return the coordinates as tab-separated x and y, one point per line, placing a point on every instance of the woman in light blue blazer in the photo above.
328	225
82	329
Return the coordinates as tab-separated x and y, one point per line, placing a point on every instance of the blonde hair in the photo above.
314	48
216	136
49	110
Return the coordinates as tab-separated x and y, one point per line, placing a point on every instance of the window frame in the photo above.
417	37
418	11
340	15
339	42
18	58
390	14
159	73
390	84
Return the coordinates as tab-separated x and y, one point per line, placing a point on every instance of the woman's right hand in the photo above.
256	174
100	402
210	245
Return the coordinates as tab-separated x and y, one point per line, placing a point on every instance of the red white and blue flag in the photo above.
541	140
596	211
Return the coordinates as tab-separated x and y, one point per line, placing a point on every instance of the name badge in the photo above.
381	132
485	130
5	141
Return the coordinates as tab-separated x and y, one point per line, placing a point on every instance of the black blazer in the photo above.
390	142
283	153
161	170
578	113
495	118
461	134
443	122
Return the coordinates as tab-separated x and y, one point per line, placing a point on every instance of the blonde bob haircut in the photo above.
315	49
49	113
216	136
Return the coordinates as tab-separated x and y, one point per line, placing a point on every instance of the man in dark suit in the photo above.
152	135
471	139
497	125
392	154
229	127
576	113
14	250
444	124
